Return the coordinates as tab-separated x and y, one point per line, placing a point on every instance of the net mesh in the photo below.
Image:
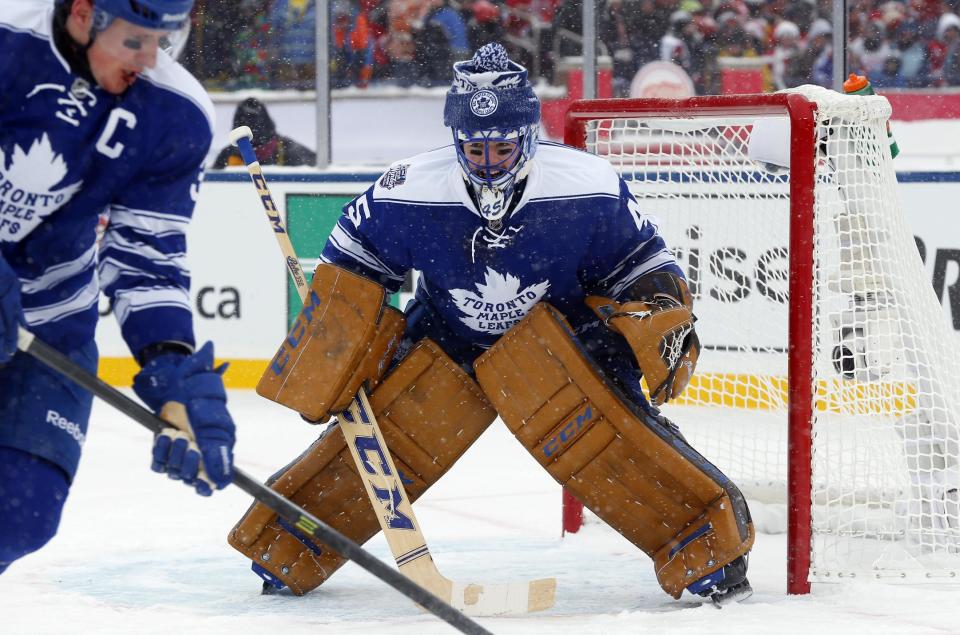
886	395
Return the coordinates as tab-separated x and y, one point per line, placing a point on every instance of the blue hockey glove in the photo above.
11	313
193	382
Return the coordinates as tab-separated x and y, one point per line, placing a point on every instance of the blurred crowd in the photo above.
271	43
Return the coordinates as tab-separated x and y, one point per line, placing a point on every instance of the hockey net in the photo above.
829	381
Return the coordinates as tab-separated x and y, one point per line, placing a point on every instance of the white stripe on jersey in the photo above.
130	301
148	222
113	240
79	301
111	269
58	273
662	258
625	261
345	243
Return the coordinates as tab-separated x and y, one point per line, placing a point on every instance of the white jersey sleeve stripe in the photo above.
626	261
129	301
59	273
80	301
148	222
661	259
112	269
349	246
113	240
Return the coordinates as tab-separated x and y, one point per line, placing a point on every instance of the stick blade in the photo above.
516	598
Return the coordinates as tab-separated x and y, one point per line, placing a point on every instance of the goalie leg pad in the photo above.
429	411
630	468
344	336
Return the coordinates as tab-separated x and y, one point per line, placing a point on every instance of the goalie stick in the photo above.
381	478
287	510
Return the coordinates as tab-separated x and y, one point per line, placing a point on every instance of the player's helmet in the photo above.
495	118
171	18
162	15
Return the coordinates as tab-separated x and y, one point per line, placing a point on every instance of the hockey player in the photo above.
541	280
96	118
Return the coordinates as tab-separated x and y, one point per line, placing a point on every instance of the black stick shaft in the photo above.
287	510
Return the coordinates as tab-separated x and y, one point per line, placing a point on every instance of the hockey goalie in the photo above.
545	294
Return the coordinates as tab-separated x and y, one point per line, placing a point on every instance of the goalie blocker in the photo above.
633	469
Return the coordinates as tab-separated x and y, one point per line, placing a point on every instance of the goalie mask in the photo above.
495	118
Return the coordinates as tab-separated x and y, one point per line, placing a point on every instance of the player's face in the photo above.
121	52
491	158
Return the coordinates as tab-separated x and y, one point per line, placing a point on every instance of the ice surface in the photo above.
138	553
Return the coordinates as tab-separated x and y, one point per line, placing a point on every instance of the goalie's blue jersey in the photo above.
72	154
576	231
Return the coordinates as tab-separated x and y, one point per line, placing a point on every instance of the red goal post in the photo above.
802	142
828	381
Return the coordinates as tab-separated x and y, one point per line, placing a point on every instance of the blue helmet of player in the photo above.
495	118
160	15
145	25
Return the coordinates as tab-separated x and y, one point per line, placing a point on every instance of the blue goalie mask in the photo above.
495	118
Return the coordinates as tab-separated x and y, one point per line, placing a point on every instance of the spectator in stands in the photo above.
786	38
400	46
800	69
890	75
737	43
674	45
871	49
351	58
914	66
568	28
271	147
293	25
441	37
485	24
250	67
948	32
614	32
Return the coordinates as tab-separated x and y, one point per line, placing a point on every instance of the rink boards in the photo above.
243	301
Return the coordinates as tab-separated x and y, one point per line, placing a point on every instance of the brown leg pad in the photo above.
633	470
429	411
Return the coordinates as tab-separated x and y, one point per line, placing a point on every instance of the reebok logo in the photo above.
54	418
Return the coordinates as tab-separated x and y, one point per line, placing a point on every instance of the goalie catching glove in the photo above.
657	323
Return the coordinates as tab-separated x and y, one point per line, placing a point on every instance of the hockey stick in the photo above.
387	495
287	510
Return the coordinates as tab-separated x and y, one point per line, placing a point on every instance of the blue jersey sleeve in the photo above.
143	255
626	245
366	242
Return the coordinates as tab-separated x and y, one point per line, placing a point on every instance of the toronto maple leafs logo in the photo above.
499	302
27	194
483	103
396	175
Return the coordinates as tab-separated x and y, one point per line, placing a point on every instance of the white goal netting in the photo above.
886	368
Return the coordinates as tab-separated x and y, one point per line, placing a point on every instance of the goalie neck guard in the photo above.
495	117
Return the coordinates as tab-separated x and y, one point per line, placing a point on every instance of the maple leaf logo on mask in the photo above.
27	194
499	302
